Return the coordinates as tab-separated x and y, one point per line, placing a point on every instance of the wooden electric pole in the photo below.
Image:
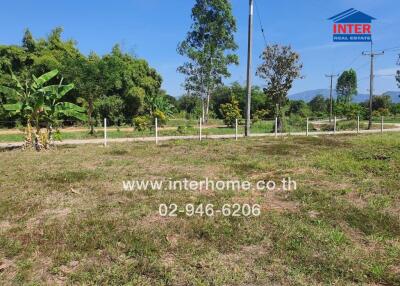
249	58
371	82
331	95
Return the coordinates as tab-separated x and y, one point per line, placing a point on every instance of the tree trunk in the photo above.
28	134
203	110
280	124
90	112
207	108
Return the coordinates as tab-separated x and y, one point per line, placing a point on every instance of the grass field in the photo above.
64	218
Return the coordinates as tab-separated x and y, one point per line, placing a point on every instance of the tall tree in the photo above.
87	77
28	42
280	67
346	86
209	46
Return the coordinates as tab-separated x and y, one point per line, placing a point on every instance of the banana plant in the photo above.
54	108
34	103
160	103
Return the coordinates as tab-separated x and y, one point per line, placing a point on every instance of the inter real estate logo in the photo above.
352	26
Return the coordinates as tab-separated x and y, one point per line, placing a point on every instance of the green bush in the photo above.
112	108
381	112
161	117
260	114
350	110
181	129
141	123
230	112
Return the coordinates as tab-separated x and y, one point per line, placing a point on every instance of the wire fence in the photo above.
191	128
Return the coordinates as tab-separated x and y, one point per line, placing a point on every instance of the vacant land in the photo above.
64	218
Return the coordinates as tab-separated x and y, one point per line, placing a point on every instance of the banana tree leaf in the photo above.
16	107
57	91
16	80
71	110
64	89
69	106
73	114
45	78
12	93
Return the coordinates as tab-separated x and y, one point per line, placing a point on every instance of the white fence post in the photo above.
156	130
382	124
236	129
276	126
200	129
105	132
307	127
358	124
334	126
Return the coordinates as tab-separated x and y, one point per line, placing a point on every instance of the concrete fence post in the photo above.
276	126
200	128
105	132
358	124
382	124
156	123
307	127
236	129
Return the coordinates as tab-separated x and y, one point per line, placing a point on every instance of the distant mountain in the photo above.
310	94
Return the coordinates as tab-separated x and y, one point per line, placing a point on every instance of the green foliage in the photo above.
112	108
161	117
36	103
318	104
346	86
381	102
350	110
141	123
395	108
381	112
224	94
114	74
159	102
231	112
261	114
181	129
299	107
190	104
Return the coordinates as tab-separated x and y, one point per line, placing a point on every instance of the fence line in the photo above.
235	134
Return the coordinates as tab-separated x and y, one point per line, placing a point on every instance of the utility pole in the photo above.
249	58
371	82
331	96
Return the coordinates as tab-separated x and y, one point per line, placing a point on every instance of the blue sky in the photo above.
151	29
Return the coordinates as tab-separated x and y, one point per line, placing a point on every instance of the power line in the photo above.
352	62
392	49
260	22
